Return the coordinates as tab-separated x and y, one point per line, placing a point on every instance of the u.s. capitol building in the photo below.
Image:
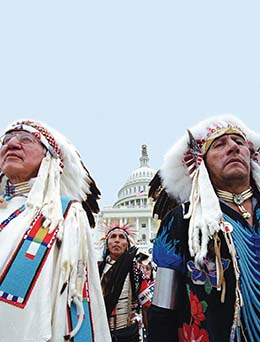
132	207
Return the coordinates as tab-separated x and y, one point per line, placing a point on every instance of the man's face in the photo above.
20	156
228	160
117	243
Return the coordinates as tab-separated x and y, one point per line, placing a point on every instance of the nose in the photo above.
13	141
232	145
12	144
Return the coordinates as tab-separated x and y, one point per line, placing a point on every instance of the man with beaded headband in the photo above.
49	284
208	246
124	286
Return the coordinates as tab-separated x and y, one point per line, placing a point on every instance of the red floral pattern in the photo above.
196	309
192	333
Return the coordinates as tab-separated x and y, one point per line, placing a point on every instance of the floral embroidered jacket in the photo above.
199	314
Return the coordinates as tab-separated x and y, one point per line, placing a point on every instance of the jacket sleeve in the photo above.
169	256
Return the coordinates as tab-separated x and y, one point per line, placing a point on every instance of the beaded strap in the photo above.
235	334
14	214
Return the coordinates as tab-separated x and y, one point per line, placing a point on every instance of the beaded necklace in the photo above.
238	199
13	190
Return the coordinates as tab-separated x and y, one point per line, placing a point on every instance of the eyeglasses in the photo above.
22	137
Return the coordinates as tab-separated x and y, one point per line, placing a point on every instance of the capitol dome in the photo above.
134	192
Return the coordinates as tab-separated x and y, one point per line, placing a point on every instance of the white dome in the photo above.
140	173
134	192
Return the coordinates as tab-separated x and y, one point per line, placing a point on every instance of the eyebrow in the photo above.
120	235
224	137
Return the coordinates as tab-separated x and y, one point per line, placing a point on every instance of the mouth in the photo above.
234	160
11	156
115	247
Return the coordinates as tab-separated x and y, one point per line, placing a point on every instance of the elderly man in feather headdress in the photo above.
124	284
208	246
49	284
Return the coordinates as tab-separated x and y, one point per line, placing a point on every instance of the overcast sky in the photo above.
113	75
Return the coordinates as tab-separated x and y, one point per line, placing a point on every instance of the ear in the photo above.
255	156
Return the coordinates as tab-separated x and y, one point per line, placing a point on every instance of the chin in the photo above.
242	177
11	168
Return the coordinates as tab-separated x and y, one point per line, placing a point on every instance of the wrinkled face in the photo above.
20	156
117	243
228	160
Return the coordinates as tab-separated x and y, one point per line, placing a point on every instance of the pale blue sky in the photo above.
112	75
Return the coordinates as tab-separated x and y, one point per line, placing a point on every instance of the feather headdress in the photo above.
127	229
175	171
184	177
62	173
75	179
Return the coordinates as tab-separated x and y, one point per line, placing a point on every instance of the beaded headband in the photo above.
41	134
126	229
216	133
